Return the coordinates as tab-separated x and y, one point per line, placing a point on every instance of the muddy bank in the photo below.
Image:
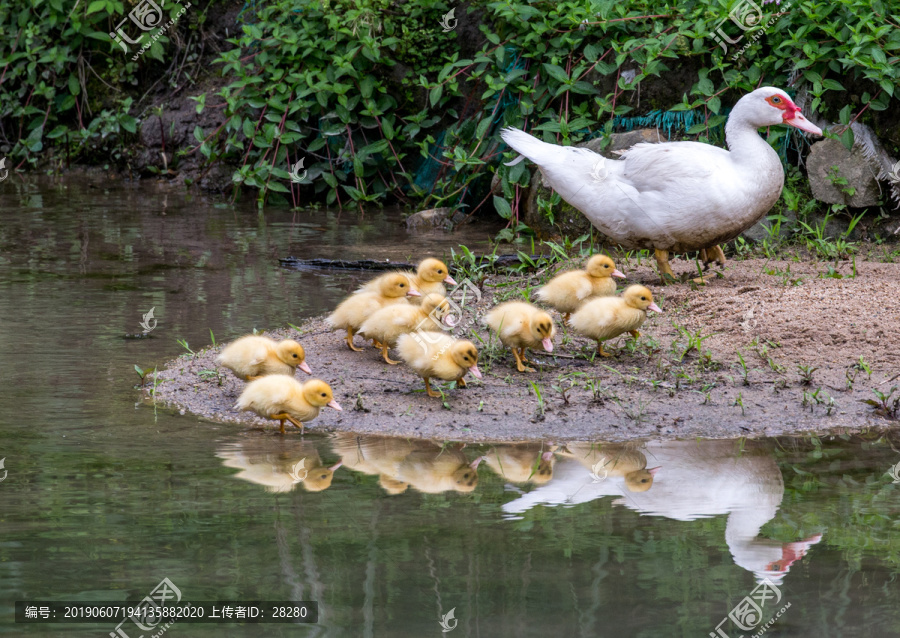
813	348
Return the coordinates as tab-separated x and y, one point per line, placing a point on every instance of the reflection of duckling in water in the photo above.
376	455
522	462
614	460
278	464
436	470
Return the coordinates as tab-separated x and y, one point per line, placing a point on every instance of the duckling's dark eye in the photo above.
403	285
643	480
440	272
643	299
293	355
606	265
323	394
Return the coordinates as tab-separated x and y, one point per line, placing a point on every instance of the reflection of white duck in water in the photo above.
278	465
697	479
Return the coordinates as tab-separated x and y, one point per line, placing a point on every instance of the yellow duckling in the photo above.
437	470
253	357
614	460
438	355
520	325
522	463
566	292
608	317
377	455
387	324
429	278
355	309
279	397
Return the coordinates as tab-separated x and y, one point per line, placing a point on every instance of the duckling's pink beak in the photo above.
335	405
654	308
618	273
548	345
450	280
547	456
336	466
654	470
305	367
474	464
449	321
413	293
475	372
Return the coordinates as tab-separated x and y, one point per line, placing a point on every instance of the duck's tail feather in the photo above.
528	145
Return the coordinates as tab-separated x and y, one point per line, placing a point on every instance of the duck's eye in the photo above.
323	394
440	272
643	299
606	265
643	480
293	355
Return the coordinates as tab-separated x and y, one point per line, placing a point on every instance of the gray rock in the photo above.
151	135
852	165
763	228
431	218
567	220
218	178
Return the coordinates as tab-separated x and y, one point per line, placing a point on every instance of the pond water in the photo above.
103	495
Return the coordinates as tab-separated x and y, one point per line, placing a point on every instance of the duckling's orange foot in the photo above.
349	341
377	344
461	383
386	356
428	389
601	351
254	378
520	358
285	416
566	318
635	334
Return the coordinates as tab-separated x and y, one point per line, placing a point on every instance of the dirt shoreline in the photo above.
651	389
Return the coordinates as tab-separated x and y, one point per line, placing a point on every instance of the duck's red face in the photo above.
791	114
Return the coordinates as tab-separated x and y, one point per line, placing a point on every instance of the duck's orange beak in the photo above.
413	293
336	466
475	371
618	273
547	456
450	280
654	470
548	345
474	464
305	367
654	308
334	404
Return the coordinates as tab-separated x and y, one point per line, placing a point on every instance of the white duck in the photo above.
675	196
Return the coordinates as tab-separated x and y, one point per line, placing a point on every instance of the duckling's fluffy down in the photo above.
430	355
276	394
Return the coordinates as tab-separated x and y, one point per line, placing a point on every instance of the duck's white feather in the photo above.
675	196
